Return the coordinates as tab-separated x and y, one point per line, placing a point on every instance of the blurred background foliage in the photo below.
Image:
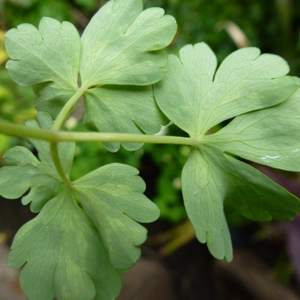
271	25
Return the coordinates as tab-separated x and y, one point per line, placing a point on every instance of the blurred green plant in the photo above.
16	102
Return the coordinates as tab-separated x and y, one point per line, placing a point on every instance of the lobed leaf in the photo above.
212	180
119	55
72	251
121	44
269	137
112	197
252	88
203	194
47	57
38	176
63	255
122	109
196	98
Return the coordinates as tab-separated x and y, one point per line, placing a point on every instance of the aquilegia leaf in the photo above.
252	87
48	58
212	179
121	47
112	197
121	44
269	137
63	255
122	109
195	98
25	171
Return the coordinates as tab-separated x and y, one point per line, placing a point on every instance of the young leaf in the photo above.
245	85
47	57
63	255
196	99
269	137
112	197
25	171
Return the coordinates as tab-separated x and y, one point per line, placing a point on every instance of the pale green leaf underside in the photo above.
63	255
122	109
196	98
112	197
270	136
122	43
49	55
25	171
203	194
211	179
78	252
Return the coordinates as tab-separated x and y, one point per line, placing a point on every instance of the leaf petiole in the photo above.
58	166
54	136
68	106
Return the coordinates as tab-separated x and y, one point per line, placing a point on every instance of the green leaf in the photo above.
121	47
121	44
252	88
47	57
195	98
269	137
212	180
63	255
203	194
112	197
25	171
122	109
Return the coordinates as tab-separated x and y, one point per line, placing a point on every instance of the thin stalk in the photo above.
56	126
20	130
66	109
54	136
57	163
126	138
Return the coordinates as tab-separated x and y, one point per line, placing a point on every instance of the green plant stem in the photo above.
66	109
57	163
76	197
55	136
56	126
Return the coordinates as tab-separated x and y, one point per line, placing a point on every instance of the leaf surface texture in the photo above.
252	89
